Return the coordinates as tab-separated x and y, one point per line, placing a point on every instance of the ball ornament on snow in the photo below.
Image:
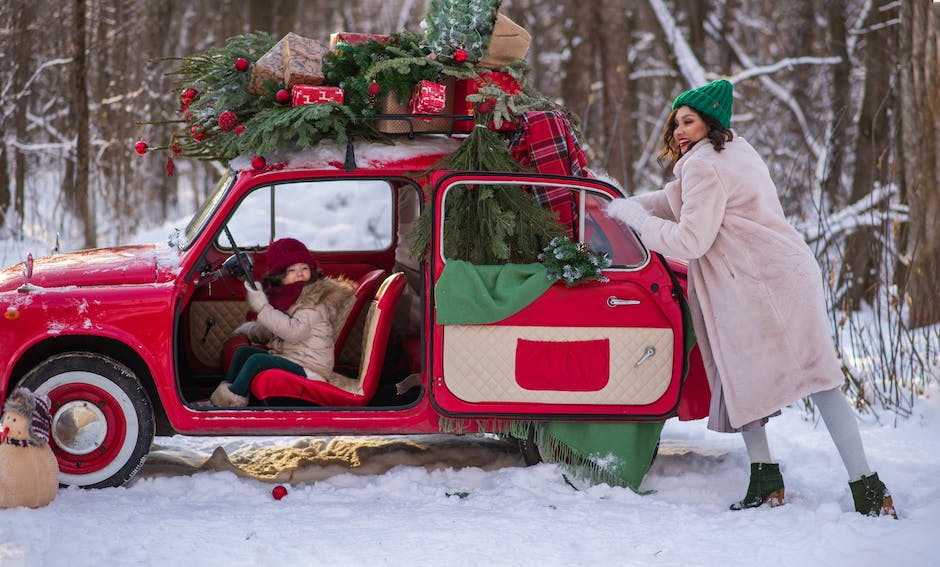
227	121
279	492
242	64
141	147
258	162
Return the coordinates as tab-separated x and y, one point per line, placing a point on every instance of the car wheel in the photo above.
529	449
102	418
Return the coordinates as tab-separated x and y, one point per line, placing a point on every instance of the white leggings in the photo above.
839	419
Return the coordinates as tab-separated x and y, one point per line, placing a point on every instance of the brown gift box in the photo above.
509	42
294	60
417	123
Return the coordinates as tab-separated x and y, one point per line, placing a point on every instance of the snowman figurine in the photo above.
29	473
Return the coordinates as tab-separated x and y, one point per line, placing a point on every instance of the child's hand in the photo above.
255	297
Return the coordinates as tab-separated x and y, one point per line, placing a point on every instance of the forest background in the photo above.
840	97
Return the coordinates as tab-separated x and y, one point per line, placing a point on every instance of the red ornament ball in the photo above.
460	55
141	147
195	133
484	108
374	88
242	64
279	492
227	120
190	93
258	162
239	129
282	96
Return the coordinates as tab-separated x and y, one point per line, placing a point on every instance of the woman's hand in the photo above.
255	297
628	211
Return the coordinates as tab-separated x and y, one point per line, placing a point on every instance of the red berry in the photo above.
374	88
175	147
190	93
258	162
227	120
141	147
282	96
239	129
279	492
242	64
460	56
195	133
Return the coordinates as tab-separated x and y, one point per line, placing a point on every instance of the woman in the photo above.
299	315
755	291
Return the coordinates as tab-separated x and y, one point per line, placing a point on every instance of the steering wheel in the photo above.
240	261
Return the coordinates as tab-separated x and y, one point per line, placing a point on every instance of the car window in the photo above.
328	216
585	222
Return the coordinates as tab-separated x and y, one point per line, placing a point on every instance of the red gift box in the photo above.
465	87
309	94
354	38
428	98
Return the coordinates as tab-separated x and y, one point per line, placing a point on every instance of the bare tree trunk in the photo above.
840	96
617	93
80	197
920	176
23	21
874	143
579	38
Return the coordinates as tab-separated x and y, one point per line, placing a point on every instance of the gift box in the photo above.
293	60
428	98
310	94
303	60
465	87
354	38
509	42
405	122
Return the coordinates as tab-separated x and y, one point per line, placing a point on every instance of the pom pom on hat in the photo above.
285	252
714	99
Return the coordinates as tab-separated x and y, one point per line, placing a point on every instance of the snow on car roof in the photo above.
368	155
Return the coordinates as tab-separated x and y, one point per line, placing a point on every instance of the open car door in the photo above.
596	350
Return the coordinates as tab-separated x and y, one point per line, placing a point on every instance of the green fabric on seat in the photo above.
618	453
469	294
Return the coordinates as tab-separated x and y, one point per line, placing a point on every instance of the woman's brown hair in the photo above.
717	135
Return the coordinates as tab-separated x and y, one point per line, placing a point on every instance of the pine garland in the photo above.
573	262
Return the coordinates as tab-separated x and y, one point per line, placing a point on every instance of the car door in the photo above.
599	349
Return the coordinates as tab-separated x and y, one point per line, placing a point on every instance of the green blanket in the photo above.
619	454
469	294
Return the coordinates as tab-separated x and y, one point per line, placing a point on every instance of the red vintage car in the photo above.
129	342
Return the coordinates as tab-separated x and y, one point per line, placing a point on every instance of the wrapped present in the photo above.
310	94
428	98
509	42
303	60
465	87
400	120
354	38
293	60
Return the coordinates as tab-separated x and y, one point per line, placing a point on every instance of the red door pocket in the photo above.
571	366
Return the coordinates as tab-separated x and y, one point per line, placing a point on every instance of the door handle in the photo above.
616	301
650	351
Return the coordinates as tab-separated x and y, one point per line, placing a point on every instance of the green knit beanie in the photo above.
714	99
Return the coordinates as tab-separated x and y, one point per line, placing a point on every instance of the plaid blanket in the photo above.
547	145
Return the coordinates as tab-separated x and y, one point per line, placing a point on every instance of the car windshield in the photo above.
205	211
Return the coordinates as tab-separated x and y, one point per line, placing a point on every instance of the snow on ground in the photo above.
469	501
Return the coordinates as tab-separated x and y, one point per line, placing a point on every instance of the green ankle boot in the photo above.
871	497
766	486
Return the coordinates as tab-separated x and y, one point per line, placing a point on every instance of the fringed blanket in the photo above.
469	294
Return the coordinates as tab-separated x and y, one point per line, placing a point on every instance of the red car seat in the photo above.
341	390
